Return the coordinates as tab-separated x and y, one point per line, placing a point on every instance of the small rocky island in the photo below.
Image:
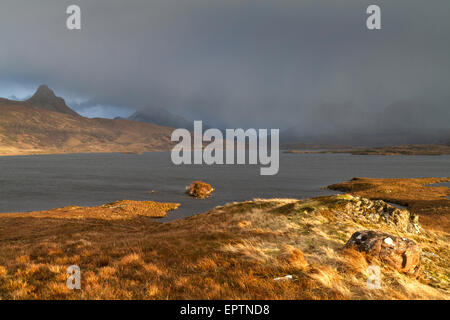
199	190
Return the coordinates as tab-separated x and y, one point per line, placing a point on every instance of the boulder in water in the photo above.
200	190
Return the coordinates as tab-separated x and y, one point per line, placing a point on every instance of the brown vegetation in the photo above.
431	203
414	149
230	252
411	149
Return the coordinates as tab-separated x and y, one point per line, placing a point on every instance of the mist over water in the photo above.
29	183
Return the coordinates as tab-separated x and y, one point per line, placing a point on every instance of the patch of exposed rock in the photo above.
378	211
400	253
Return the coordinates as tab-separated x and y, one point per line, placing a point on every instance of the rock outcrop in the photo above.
199	189
378	211
400	253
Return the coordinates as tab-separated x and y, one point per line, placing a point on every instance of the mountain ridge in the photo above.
161	117
45	124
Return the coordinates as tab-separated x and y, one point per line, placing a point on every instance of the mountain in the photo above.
416	121
45	98
162	117
291	139
45	124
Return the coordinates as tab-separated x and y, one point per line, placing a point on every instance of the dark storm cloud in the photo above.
233	62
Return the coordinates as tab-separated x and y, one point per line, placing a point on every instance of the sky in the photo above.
310	64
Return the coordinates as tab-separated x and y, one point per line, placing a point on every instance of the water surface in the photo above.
49	181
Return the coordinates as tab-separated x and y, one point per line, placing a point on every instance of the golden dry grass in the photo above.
118	210
230	252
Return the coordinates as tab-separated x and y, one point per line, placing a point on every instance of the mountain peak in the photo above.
45	98
44	91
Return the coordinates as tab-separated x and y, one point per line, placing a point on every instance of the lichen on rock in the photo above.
400	253
378	211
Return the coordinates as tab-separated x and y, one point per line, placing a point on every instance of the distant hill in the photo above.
404	122
290	139
45	124
161	117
